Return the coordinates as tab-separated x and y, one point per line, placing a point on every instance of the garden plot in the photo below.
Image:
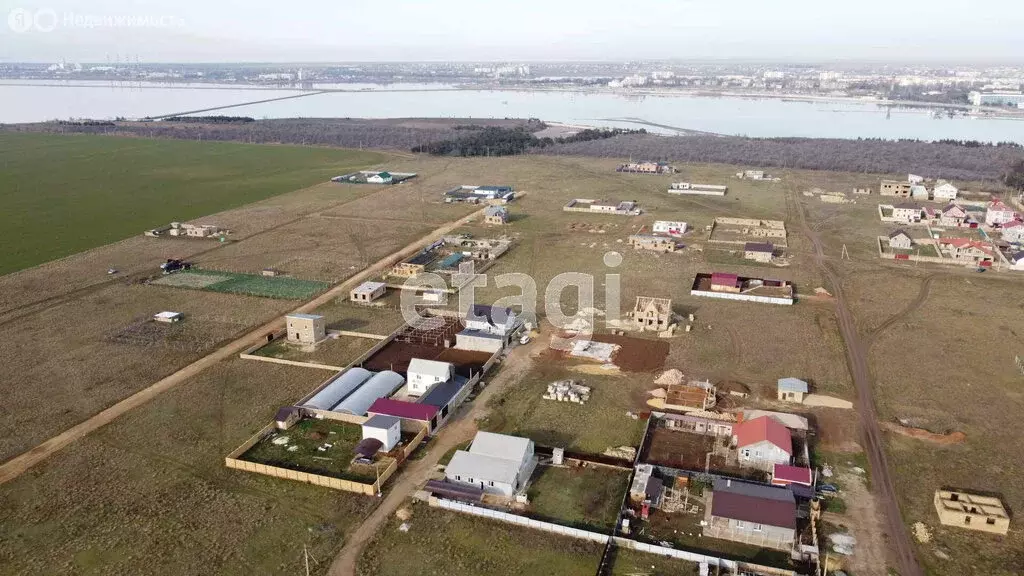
322	447
585	498
247	284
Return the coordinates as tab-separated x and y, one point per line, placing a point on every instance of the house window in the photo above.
492	483
758	528
458	478
990	521
741	525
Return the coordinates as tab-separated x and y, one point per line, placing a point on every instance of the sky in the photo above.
482	30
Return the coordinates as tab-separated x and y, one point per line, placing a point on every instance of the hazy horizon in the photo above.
233	31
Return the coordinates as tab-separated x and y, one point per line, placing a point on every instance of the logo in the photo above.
20	20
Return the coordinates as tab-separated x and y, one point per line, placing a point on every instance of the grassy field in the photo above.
627	562
245	284
86	191
149	494
442	543
594	427
586	498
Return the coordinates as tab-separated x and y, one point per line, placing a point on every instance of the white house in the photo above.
496	463
1013	232
919	192
915	179
387	429
953	215
999	213
380	178
762	443
669	227
945	191
423	374
495	320
906	212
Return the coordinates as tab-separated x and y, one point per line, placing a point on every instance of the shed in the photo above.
785	475
287	416
366	449
792	389
724	282
414	415
380	385
367	292
479	341
168	317
387	429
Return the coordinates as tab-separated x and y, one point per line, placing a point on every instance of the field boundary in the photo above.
232	461
731	565
17	465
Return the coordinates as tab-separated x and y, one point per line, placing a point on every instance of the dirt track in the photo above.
21	463
906	558
926	288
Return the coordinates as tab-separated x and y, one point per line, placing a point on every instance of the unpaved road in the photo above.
19	464
457	432
905	555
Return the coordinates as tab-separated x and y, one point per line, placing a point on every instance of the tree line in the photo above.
499	141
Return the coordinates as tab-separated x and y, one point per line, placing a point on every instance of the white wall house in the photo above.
387	429
671	227
945	191
919	192
496	463
496	320
762	443
423	374
1013	232
915	179
999	213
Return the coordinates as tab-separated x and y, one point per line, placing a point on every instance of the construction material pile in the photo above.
568	391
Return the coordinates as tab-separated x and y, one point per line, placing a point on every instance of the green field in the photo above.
67	194
246	284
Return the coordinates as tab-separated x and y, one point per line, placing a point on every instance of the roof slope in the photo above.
482	468
430	368
763	429
755	503
792	385
500	446
402	409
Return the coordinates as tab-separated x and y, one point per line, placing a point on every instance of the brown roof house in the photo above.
758	251
899	239
652	313
756	514
971	511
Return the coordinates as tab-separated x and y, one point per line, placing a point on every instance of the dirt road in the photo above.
19	464
906	558
457	432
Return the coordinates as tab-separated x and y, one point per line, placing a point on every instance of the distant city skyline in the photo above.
320	31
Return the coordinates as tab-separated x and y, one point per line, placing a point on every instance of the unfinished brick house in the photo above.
653	243
971	511
652	313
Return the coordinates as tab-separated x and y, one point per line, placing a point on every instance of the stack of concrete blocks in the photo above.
568	391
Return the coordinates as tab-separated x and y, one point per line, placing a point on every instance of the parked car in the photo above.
828	489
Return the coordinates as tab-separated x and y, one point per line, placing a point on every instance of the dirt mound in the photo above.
922	434
670	377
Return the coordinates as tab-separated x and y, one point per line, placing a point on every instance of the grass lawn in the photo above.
67	194
247	284
446	543
308	435
332	352
626	562
599	424
586	498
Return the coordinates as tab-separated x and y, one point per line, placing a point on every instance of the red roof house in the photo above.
784	475
762	443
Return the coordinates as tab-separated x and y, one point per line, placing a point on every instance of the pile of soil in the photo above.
922	434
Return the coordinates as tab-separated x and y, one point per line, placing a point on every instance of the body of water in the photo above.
22	101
